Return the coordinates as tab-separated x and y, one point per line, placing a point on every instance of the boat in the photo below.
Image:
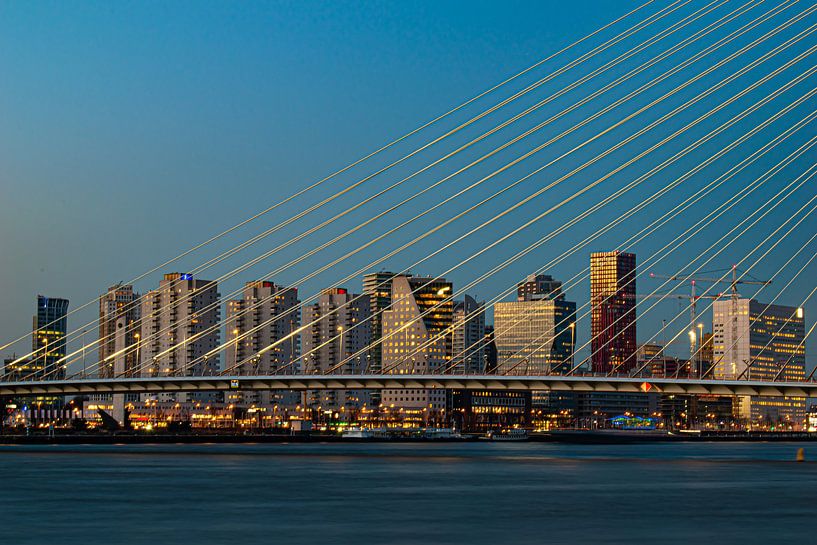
368	433
441	433
514	434
357	433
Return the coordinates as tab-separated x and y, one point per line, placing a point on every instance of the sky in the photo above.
132	131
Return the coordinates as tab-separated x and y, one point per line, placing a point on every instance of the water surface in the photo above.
475	493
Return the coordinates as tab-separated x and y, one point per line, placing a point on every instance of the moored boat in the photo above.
514	434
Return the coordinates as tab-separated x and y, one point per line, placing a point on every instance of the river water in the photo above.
474	493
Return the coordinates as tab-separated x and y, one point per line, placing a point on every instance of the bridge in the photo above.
379	382
684	133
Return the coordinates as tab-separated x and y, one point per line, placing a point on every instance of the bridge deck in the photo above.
379	382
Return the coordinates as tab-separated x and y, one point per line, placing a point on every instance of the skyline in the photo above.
90	261
554	261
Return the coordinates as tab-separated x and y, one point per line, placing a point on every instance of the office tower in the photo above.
468	341
612	303
759	343
378	287
536	286
120	305
536	334
180	331
50	326
417	340
335	340
262	339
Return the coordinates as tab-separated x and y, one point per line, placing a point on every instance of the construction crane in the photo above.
693	299
733	288
733	282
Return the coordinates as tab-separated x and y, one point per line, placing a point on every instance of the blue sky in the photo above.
134	130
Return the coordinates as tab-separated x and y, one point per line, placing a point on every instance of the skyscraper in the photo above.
261	340
756	342
612	303
336	339
468	342
119	305
179	328
417	340
50	326
378	287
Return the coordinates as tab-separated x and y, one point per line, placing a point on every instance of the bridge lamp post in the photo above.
700	349
572	343
692	348
138	338
341	351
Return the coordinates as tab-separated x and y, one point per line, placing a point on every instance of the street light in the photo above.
692	348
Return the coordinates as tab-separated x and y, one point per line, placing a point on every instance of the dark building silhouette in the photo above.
50	326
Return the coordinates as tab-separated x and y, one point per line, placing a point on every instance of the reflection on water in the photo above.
426	494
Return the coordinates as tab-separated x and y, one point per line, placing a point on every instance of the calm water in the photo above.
415	494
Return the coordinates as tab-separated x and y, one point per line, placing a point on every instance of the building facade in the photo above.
119	305
377	286
612	311
535	337
537	285
487	410
417	339
760	342
468	340
262	339
180	330
48	343
336	339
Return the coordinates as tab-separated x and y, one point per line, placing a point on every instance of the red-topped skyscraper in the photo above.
612	302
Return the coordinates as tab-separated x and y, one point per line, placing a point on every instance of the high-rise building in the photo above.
336	339
538	286
261	339
757	341
179	328
612	304
378	287
417	339
50	326
120	305
536	334
468	341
